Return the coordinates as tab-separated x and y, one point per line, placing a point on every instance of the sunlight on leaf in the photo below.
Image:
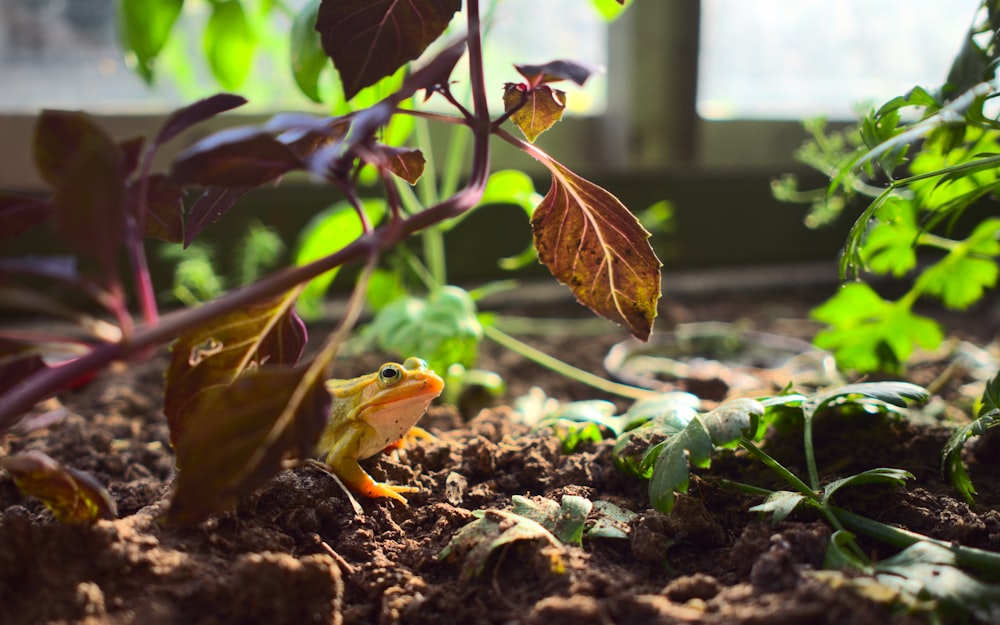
371	39
594	245
71	495
307	55
268	333
493	530
144	27
565	520
538	109
229	43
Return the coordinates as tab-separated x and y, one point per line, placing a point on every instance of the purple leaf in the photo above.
164	207
72	496
182	119
18	360
212	205
237	157
18	213
371	39
62	268
555	71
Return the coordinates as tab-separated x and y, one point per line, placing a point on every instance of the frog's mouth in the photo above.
392	418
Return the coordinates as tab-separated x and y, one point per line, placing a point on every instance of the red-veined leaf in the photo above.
220	352
594	245
72	496
85	166
370	39
537	109
239	434
406	163
209	208
19	212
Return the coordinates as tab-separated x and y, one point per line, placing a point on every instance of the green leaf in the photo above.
961	277
565	520
593	244
537	109
72	496
951	455
610	9
780	504
144	27
868	333
223	351
871	476
237	436
443	328
511	186
229	43
327	232
609	521
307	55
493	530
890	245
371	39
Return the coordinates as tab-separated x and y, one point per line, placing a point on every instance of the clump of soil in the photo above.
295	552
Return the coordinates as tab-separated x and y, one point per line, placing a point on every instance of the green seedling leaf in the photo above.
565	520
237	435
609	521
890	245
229	43
839	554
535	110
493	530
925	569
86	168
72	496
307	55
327	232
223	351
780	504
237	157
443	328
594	245
868	333
885	395
693	446
19	213
961	277
371	39
144	28
871	476
951	455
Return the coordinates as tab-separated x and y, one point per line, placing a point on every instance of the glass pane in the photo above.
791	59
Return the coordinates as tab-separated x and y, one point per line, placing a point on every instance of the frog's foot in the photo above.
412	436
351	474
393	491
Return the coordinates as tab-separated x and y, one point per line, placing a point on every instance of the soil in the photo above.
296	552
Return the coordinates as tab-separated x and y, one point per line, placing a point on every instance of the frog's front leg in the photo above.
343	460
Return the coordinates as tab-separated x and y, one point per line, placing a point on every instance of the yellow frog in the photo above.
371	413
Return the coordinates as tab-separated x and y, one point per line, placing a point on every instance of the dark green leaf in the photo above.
780	504
229	43
224	351
144	27
951	455
565	520
370	39
593	244
871	476
72	496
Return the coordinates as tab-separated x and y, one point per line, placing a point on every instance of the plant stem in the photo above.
980	559
792	479
565	370
807	444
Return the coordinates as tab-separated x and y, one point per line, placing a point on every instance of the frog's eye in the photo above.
390	374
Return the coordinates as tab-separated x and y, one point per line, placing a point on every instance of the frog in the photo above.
372	413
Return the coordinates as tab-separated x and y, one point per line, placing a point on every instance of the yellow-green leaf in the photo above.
71	495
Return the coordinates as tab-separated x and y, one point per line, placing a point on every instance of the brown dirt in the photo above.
294	552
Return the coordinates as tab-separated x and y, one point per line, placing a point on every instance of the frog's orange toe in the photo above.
392	491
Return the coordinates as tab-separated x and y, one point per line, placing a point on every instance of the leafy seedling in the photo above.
951	455
72	496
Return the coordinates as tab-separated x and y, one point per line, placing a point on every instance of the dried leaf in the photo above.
219	353
593	244
406	163
371	39
538	109
72	496
239	434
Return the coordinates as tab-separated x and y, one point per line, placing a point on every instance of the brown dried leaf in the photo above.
408	164
72	496
538	109
594	245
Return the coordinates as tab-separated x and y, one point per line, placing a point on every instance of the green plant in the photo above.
236	361
926	164
663	439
